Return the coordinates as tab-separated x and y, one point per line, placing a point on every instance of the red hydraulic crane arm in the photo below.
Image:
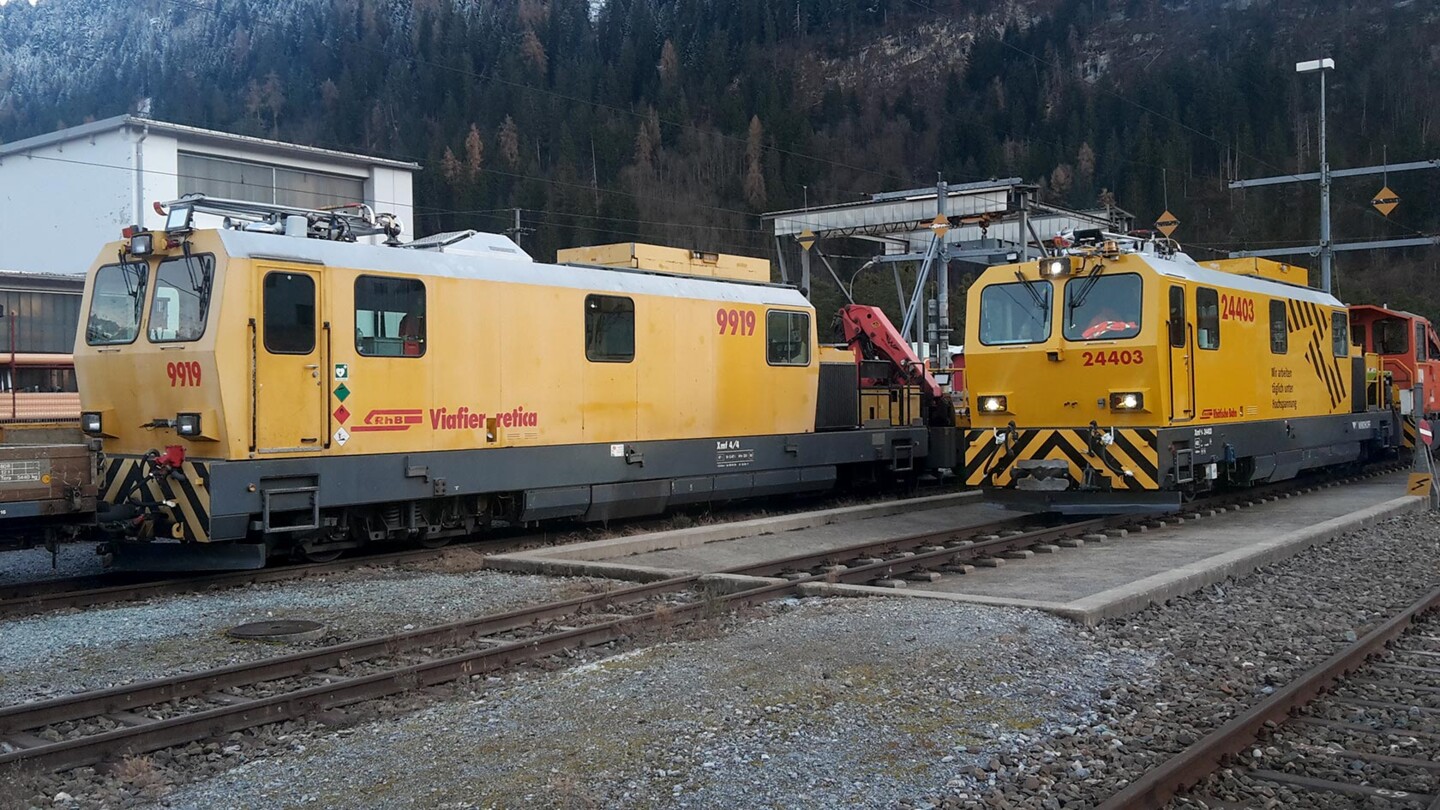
872	336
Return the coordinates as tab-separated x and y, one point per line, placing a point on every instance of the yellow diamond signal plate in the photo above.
1167	223
1385	201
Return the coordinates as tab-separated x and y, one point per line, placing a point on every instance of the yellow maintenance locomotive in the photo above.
1121	375
273	384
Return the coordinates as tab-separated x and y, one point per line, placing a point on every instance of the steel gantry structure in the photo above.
984	223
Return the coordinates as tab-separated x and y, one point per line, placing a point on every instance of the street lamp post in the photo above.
1326	251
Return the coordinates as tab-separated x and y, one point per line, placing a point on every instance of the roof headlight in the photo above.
142	244
1055	266
994	404
1127	401
187	424
90	423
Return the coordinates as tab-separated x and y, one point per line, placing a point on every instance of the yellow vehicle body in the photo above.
1130	379
332	393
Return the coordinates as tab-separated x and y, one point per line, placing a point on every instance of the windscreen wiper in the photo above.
1030	288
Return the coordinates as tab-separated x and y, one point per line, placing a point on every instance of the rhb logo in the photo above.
388	419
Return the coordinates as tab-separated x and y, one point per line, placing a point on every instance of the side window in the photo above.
1207	318
1279	334
289	311
1177	317
609	329
787	338
389	317
1340	334
1420	342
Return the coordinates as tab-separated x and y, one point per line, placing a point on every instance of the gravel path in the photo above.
59	653
824	704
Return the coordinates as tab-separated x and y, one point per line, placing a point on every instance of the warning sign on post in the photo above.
1167	223
1385	201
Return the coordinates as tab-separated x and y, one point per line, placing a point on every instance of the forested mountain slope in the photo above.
677	121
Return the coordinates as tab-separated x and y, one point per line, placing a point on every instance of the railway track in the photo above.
94	726
91	727
98	589
1361	727
41	596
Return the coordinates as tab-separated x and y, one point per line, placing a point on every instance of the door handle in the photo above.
312	365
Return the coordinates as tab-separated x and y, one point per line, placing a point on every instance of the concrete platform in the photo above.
1101	580
706	549
1086	581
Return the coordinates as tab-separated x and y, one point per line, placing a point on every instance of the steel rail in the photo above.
1188	768
143	734
44	595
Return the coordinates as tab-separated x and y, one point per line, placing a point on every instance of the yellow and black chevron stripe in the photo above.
125	480
1130	463
1303	316
1407	432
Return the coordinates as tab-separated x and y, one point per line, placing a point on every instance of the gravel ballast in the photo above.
855	703
824	703
59	653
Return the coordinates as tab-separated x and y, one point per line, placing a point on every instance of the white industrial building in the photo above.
65	194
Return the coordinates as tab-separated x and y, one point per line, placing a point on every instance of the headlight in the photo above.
1055	267
1127	401
187	424
90	423
994	404
141	244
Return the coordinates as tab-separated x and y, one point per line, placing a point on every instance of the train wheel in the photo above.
435	542
321	555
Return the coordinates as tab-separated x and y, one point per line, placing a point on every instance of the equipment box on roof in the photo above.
660	259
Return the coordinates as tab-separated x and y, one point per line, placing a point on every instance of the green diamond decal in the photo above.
341	392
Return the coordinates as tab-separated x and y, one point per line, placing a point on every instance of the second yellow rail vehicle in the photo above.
1122	375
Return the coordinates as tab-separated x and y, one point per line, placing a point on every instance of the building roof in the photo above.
12	280
190	133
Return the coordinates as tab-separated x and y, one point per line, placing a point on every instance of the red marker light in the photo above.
129	231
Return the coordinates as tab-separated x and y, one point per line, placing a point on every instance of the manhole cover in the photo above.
281	630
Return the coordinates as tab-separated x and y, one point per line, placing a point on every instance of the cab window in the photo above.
1420	341
1392	336
1177	317
389	317
609	329
1279	332
787	338
182	299
1207	318
1018	312
1102	307
1340	334
116	298
288	304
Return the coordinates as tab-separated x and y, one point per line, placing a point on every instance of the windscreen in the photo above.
182	299
1015	313
116	299
1102	307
